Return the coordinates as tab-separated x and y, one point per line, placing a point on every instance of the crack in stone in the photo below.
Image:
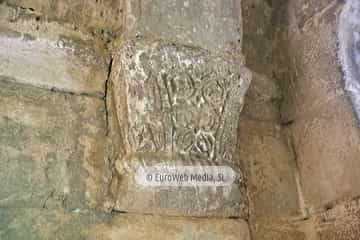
106	94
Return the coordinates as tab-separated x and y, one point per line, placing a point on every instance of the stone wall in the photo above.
91	90
295	43
79	114
324	130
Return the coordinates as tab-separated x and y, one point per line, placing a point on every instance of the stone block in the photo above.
213	25
262	100
178	106
269	167
50	55
35	224
271	229
340	222
96	16
325	131
327	154
317	76
52	148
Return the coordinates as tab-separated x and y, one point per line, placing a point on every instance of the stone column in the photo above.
178	84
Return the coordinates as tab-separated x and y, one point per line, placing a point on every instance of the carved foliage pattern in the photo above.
182	100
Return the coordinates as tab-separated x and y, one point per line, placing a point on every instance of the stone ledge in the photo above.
34	224
48	55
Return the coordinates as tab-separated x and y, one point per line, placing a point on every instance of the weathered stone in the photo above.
41	224
262	99
269	167
106	16
49	55
263	88
265	152
178	106
261	111
325	132
270	229
327	147
52	150
339	223
260	22
135	227
317	78
213	25
33	224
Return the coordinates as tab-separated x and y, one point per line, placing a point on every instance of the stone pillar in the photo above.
178	85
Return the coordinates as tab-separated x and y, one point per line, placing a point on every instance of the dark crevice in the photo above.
123	212
9	80
51	194
287	123
106	94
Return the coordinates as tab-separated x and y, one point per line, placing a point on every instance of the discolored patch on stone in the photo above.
51	148
178	106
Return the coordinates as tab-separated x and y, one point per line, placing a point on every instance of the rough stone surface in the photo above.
268	165
178	106
73	141
342	222
99	16
325	132
262	99
270	229
51	148
266	154
134	227
213	25
35	224
49	55
260	22
180	100
40	224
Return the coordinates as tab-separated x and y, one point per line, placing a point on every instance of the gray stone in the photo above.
35	224
41	224
52	150
49	55
178	106
96	16
213	25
